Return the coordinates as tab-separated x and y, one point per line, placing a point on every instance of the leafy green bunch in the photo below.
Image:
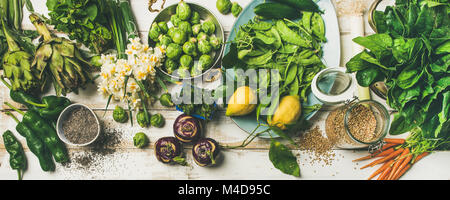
83	21
410	52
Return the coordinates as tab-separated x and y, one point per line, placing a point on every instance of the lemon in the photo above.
242	102
288	112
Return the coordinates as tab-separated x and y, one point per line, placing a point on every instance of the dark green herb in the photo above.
410	53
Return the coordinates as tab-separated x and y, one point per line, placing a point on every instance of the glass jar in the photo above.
358	124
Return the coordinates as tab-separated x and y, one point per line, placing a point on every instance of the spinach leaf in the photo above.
368	76
283	159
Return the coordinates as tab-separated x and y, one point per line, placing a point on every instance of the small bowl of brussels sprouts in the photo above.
192	38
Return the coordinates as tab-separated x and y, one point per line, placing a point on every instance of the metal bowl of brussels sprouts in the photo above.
192	38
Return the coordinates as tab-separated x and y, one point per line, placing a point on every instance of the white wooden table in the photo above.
124	161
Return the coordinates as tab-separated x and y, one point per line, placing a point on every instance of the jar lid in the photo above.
333	85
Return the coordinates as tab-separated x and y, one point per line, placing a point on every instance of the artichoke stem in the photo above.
40	27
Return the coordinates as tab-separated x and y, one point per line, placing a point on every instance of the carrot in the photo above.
394	140
385	172
400	174
420	156
381	169
398	162
387	158
383	153
402	166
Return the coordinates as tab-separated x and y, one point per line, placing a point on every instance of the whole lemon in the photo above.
242	102
288	112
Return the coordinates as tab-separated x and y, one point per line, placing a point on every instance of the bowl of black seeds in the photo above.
78	125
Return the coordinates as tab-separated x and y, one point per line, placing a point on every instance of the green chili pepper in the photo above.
17	159
36	146
51	106
45	132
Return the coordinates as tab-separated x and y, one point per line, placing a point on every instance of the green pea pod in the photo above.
290	36
261	26
259	60
36	146
306	20
17	158
318	26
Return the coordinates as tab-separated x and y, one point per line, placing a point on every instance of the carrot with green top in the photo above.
387	158
400	168
400	174
385	172
398	162
381	169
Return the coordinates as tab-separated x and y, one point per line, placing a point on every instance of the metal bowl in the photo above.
205	14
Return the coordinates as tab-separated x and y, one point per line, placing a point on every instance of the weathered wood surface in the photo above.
119	159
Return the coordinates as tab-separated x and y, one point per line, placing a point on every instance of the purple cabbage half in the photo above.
187	128
205	152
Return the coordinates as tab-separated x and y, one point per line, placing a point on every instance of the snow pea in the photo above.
259	60
290	36
318	26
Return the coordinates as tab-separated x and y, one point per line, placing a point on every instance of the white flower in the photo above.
139	66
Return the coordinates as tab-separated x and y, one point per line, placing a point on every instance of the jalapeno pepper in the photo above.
45	132
36	146
17	159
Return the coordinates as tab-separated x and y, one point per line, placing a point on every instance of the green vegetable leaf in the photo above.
283	159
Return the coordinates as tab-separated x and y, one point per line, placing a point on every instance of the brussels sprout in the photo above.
189	48
171	31
186	27
193	40
195	18
183	72
236	9
120	115
143	119
209	27
140	140
175	20
154	32
183	11
215	42
179	36
164	40
205	61
202	36
163	26
97	61
166	100
196	29
173	51
204	47
186	61
170	66
157	120
224	6
196	70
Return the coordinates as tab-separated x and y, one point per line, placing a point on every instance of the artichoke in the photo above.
17	66
61	60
